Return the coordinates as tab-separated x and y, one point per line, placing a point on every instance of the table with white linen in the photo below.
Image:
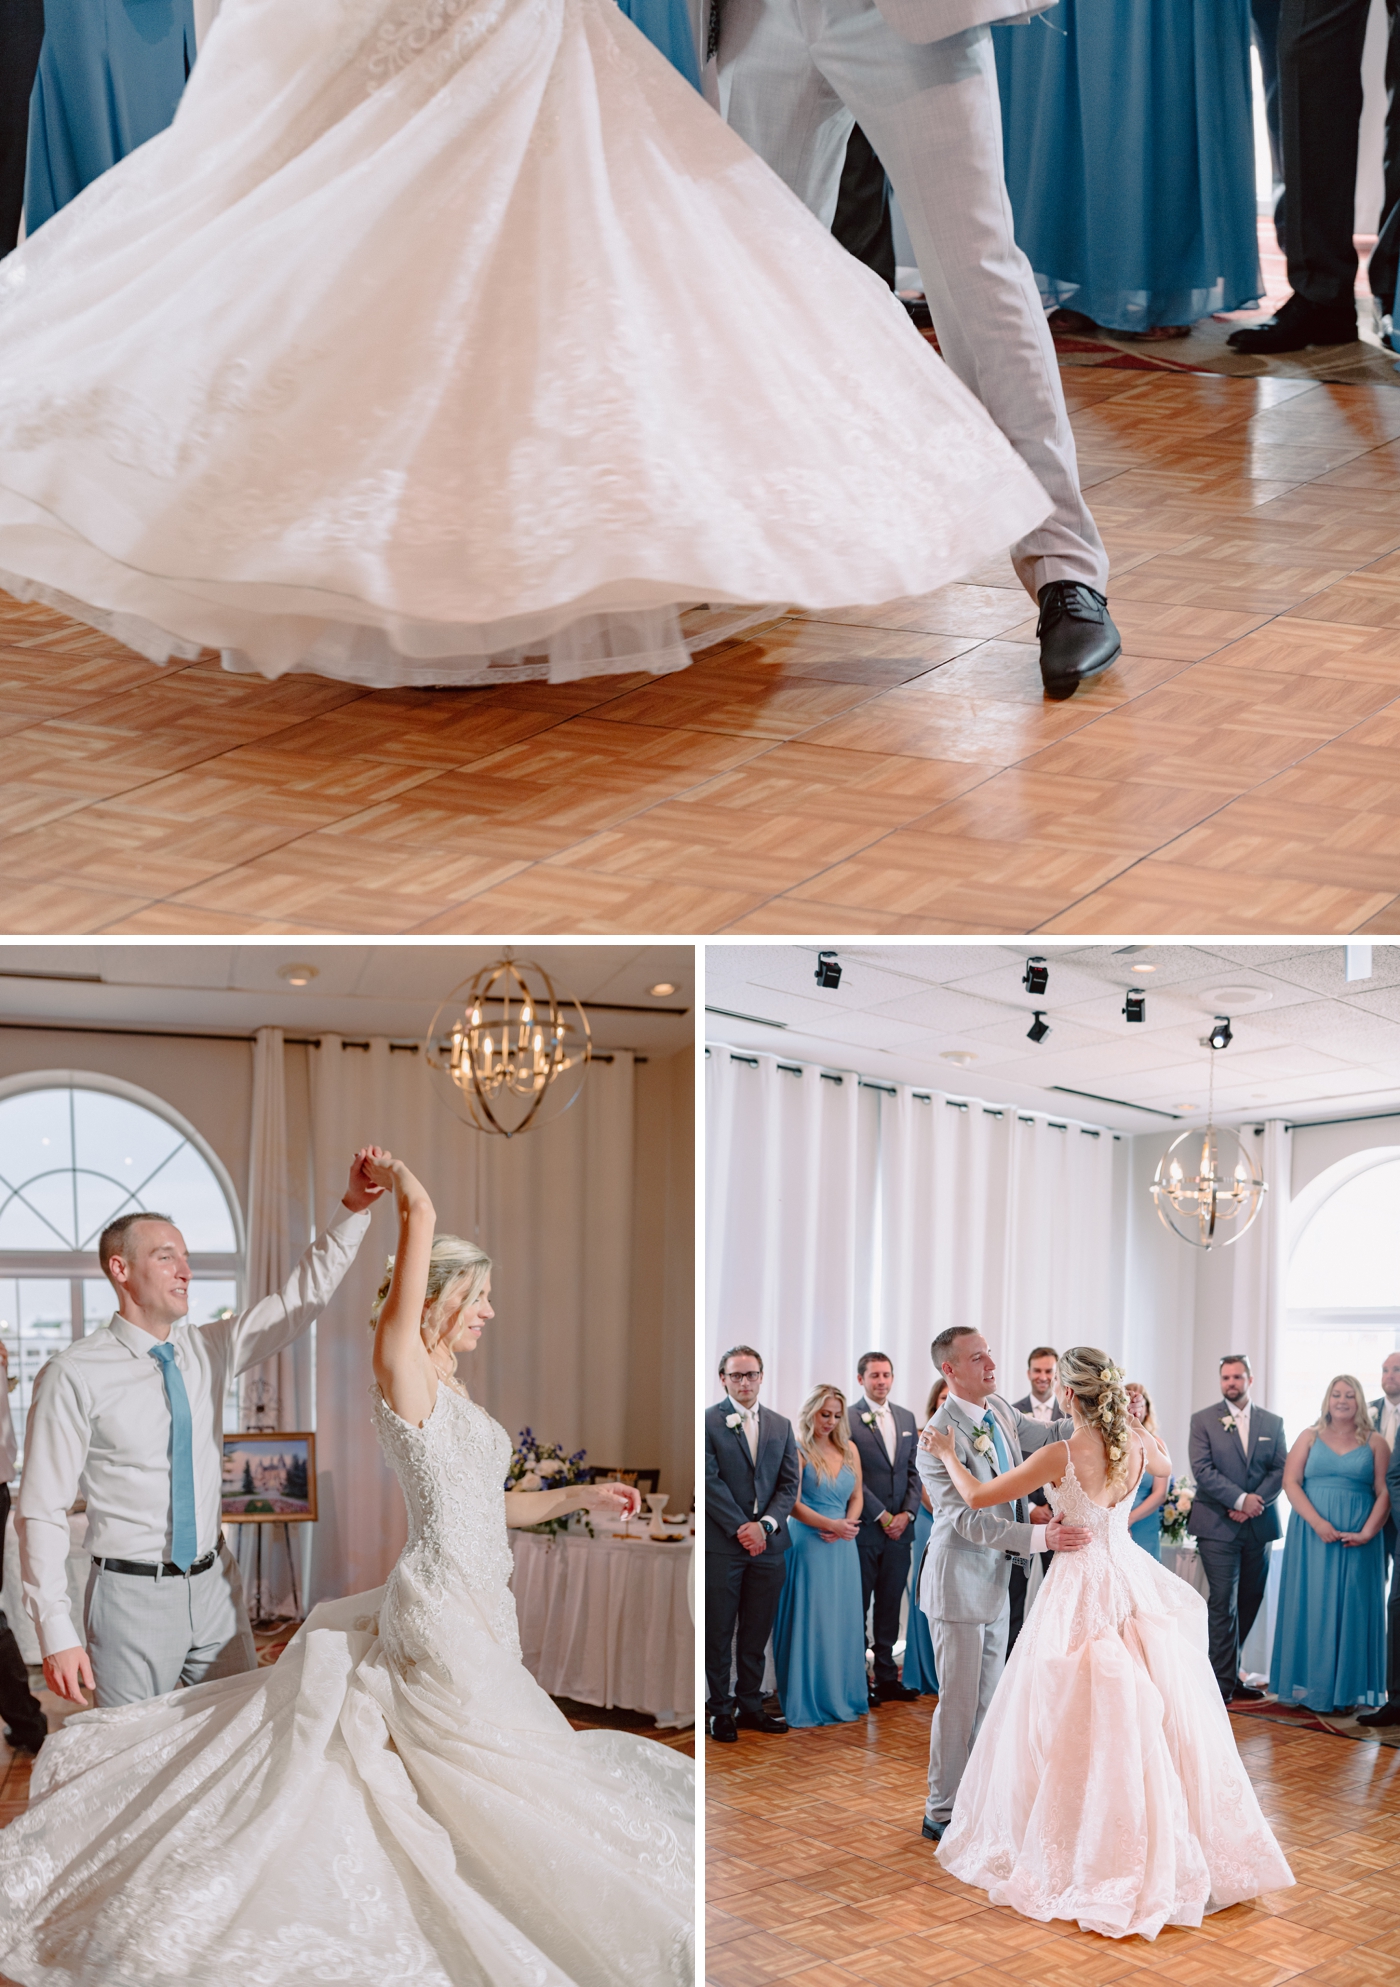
1185	1562
607	1621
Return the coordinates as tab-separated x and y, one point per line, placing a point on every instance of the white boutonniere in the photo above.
1227	1422
734	1421
869	1420
983	1443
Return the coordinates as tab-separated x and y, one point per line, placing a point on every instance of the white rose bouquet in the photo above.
536	1465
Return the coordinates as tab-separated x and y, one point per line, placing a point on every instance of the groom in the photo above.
919	78
965	1582
131	1418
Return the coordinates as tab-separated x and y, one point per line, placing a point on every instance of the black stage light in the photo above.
1037	976
828	973
1134	1005
1222	1034
1038	1029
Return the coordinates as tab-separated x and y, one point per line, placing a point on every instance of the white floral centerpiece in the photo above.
536	1465
1176	1509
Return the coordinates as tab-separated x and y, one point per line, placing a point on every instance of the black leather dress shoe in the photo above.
722	1728
1388	1714
1245	1693
762	1723
1298	325
932	1832
896	1693
27	1741
1077	639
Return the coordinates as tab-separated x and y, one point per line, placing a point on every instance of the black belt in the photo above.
164	1572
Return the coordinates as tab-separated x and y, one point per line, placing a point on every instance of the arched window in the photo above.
1343	1282
76	1150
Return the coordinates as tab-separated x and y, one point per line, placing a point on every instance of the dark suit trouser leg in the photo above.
862	222
1392	1637
1254	1578
1384	267
21	36
724	1584
1017	1598
1220	1559
748	1607
884	1574
19	1707
1264	14
1319	64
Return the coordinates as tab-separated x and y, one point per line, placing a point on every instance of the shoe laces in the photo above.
1069	599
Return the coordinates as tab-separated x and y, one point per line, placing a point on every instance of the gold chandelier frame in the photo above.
508	1034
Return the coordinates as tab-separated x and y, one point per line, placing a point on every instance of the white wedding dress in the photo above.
1105	1785
395	1803
460	342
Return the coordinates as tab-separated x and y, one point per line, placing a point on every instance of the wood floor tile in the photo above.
891	767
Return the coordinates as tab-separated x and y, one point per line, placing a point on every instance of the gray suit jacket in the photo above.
934	20
1222	1470
967	1565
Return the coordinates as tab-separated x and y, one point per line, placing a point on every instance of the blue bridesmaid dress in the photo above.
666	25
111	73
1329	1642
1147	1532
918	1672
1129	142
819	1635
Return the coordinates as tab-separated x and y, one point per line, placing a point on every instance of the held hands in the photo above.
1327	1533
371	1175
838	1528
68	1673
898	1524
752	1537
1253	1506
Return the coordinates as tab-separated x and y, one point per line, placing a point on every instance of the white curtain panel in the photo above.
552	1208
1259	1265
848	1217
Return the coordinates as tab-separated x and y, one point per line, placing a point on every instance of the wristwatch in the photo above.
770	1525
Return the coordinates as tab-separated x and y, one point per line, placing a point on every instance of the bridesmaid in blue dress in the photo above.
1129	142
666	25
111	73
918	1671
1329	1645
819	1635
1146	1525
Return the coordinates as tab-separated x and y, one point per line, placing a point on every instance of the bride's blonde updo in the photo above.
1097	1386
451	1259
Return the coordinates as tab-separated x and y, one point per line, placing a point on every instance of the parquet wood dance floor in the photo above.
894	769
817	1876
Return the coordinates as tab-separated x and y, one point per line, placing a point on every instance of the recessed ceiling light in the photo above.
1142	969
964	1058
662	988
297	975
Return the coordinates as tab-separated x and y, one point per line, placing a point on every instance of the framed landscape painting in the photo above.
269	1478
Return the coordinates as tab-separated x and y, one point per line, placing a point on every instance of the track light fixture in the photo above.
828	973
1222	1034
1134	1005
1038	1029
1037	976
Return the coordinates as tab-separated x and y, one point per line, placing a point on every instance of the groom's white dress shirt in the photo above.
1241	1415
1389	1423
975	1413
99	1428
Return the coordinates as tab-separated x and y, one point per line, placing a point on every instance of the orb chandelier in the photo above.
508	1050
1218	1202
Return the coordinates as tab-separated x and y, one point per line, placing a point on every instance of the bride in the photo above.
459	342
396	1802
1105	1785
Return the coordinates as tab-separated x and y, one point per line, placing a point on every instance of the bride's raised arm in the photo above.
402	1367
534	1507
1045	1465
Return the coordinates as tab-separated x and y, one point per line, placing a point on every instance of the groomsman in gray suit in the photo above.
1385	1413
751	1481
1237	1454
919	77
886	1439
965	1581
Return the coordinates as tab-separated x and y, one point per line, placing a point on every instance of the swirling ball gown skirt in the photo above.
1329	1637
454	341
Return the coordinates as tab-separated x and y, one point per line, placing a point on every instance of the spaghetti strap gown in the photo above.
460	342
1105	1785
394	1801
1329	1636
819	1634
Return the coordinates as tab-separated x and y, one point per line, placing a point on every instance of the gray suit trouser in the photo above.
794	75
969	1657
146	1636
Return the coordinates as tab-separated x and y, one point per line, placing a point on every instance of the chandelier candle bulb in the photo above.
530	1069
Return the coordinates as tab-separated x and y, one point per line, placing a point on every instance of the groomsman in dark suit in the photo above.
1389	1712
1237	1456
887	1439
1039	1403
1385	1413
751	1483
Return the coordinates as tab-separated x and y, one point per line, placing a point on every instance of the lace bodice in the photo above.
450	1471
1106	1597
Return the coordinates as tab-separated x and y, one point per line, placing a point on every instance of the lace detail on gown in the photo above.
395	1803
1105	1784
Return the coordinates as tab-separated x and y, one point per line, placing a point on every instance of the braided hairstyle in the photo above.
1097	1386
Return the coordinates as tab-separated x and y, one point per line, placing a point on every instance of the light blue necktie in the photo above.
184	1534
989	1422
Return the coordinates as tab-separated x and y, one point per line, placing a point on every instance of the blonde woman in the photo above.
396	1798
819	1635
1104	1785
1146	1521
1329	1642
